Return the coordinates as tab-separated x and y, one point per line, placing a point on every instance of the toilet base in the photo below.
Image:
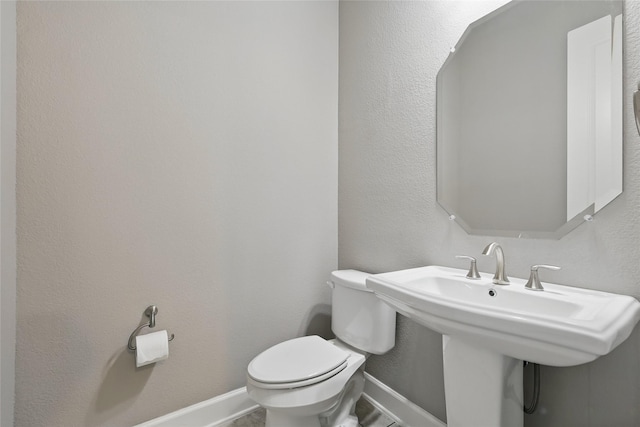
344	415
280	419
341	414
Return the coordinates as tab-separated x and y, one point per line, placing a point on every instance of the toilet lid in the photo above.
296	360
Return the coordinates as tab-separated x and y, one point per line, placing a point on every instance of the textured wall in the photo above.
390	53
8	212
182	154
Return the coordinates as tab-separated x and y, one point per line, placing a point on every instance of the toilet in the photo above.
313	382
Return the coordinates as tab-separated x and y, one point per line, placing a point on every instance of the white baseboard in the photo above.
229	406
397	406
209	413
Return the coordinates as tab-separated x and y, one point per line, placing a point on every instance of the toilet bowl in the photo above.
313	382
317	386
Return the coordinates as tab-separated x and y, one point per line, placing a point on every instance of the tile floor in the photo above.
367	415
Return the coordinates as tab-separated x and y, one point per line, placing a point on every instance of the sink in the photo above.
489	329
560	326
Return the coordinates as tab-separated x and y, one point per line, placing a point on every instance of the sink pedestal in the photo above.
482	388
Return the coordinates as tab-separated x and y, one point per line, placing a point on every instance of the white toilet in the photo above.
312	382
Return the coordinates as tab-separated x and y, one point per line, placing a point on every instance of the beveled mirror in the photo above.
529	118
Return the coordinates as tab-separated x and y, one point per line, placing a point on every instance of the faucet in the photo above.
534	281
500	278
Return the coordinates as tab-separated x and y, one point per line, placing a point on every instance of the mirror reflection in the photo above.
529	118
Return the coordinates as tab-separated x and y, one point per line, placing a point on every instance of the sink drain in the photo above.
493	292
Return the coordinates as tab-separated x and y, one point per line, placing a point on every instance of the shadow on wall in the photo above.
121	383
318	322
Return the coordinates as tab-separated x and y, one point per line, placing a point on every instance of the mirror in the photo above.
529	118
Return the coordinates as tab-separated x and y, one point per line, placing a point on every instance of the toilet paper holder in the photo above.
151	313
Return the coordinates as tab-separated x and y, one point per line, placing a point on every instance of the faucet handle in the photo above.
534	281
473	269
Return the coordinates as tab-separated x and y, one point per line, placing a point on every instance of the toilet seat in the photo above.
315	398
296	363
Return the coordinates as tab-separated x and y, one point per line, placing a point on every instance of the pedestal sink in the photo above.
489	329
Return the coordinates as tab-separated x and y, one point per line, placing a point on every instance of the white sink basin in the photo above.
560	326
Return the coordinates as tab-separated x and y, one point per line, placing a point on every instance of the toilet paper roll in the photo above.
151	348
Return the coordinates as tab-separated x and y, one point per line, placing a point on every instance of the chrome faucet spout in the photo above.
500	278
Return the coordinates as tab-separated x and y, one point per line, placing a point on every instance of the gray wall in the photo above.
8	213
182	154
390	53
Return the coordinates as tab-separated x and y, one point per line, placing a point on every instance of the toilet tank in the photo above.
358	317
